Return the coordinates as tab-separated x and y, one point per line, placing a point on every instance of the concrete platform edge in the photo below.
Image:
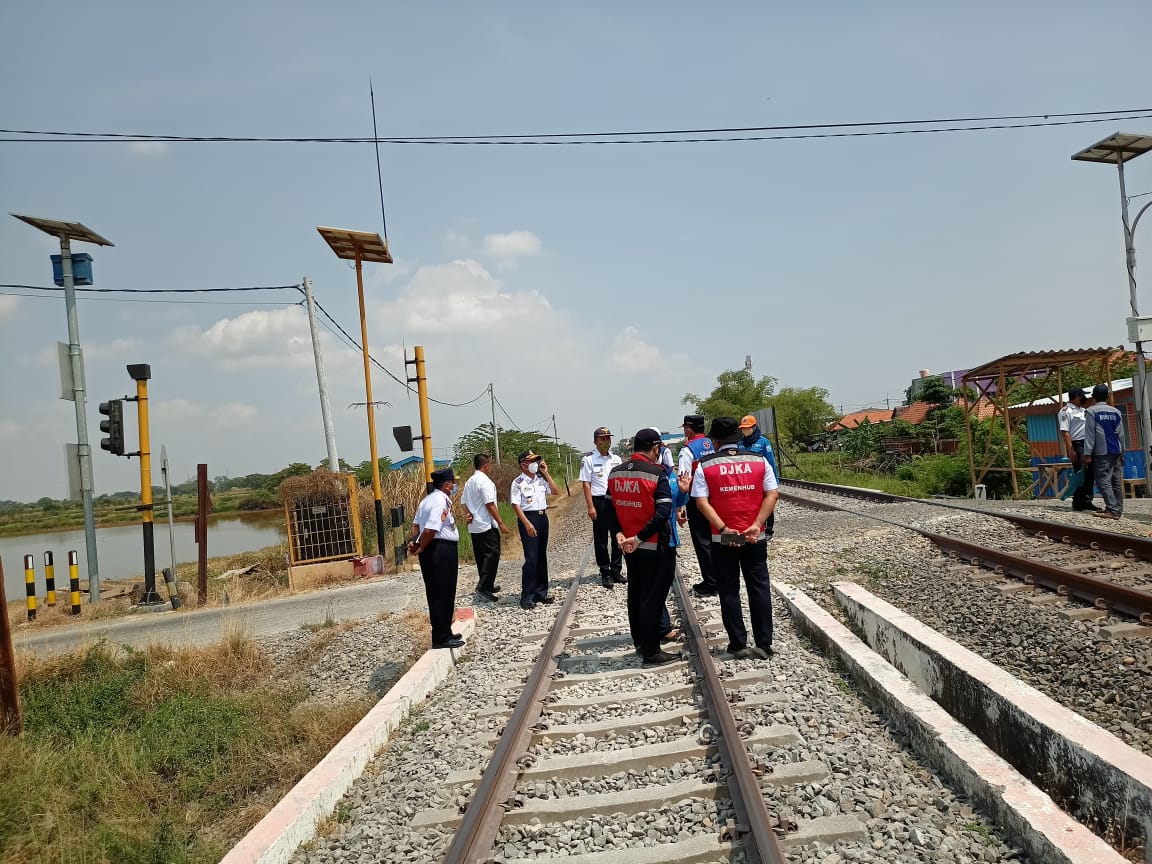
1030	816
275	838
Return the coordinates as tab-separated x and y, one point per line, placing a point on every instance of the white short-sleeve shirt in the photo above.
529	493
479	492
1071	420
435	514
594	470
700	485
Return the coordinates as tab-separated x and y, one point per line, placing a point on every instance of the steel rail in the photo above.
754	823
1098	592
1094	538
476	836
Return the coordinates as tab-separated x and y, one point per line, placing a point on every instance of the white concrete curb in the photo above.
1046	832
293	820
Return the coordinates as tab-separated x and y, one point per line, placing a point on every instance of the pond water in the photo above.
120	549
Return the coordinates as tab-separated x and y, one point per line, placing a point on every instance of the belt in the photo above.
534	512
599	496
443	540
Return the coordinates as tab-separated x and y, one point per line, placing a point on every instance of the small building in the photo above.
415	464
856	418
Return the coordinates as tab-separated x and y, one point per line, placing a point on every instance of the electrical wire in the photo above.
88	290
356	345
1019	121
151	300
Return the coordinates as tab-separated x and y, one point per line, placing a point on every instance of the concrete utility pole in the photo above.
422	400
495	428
321	382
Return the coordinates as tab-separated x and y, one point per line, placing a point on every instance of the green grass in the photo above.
836	468
153	757
506	513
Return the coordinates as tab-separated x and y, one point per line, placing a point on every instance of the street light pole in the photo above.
1117	149
1141	366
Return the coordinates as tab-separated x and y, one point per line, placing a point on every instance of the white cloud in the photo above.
508	248
181	411
234	414
630	353
460	297
260	339
9	307
148	148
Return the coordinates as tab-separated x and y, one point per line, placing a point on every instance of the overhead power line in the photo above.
854	129
88	290
351	342
154	300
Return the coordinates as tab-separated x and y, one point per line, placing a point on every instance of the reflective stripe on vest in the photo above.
735	481
632	487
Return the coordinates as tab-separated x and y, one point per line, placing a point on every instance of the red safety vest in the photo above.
735	481
632	487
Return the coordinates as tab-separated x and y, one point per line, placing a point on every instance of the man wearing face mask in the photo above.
529	498
754	442
434	539
594	470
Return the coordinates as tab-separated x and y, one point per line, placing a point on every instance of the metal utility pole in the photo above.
66	232
495	428
422	398
361	246
171	520
556	440
325	408
140	373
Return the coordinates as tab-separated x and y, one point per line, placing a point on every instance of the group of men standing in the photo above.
723	489
1094	440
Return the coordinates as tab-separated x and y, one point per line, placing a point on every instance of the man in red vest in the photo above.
640	502
736	491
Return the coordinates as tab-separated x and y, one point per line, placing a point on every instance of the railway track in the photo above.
1110	571
719	721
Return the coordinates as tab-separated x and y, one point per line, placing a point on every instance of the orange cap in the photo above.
747	421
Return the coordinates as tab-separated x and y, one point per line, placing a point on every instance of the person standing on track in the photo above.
529	499
1104	451
735	491
435	540
754	442
1070	422
594	470
484	524
638	512
696	445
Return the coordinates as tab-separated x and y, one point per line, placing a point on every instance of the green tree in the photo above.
363	471
737	393
512	443
934	390
802	413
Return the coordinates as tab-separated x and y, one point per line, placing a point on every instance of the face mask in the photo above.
534	468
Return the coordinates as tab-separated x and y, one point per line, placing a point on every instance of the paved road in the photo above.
204	626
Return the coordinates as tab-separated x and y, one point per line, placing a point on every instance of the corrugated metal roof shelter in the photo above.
991	381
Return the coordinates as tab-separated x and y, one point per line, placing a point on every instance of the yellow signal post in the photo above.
49	580
74	581
425	422
140	373
361	246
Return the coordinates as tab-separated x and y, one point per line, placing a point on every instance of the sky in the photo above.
599	283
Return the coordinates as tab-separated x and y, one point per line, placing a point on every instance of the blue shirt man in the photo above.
1104	451
755	442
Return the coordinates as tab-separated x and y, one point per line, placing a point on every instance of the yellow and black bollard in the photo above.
30	585
74	581
49	580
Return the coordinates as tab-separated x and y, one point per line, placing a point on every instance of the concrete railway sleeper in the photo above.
1103	592
710	707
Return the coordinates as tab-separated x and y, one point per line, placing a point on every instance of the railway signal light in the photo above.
113	426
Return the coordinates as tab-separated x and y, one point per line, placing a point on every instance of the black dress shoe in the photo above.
660	658
451	643
488	595
606	581
547	600
524	605
705	590
619	578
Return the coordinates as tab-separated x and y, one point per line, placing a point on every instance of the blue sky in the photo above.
597	283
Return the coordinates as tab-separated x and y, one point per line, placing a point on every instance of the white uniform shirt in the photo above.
478	492
1071	420
529	492
666	459
700	485
435	514
594	469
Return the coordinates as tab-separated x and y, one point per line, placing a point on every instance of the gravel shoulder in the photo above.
1109	681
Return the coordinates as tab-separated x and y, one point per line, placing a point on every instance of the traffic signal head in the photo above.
113	426
403	436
